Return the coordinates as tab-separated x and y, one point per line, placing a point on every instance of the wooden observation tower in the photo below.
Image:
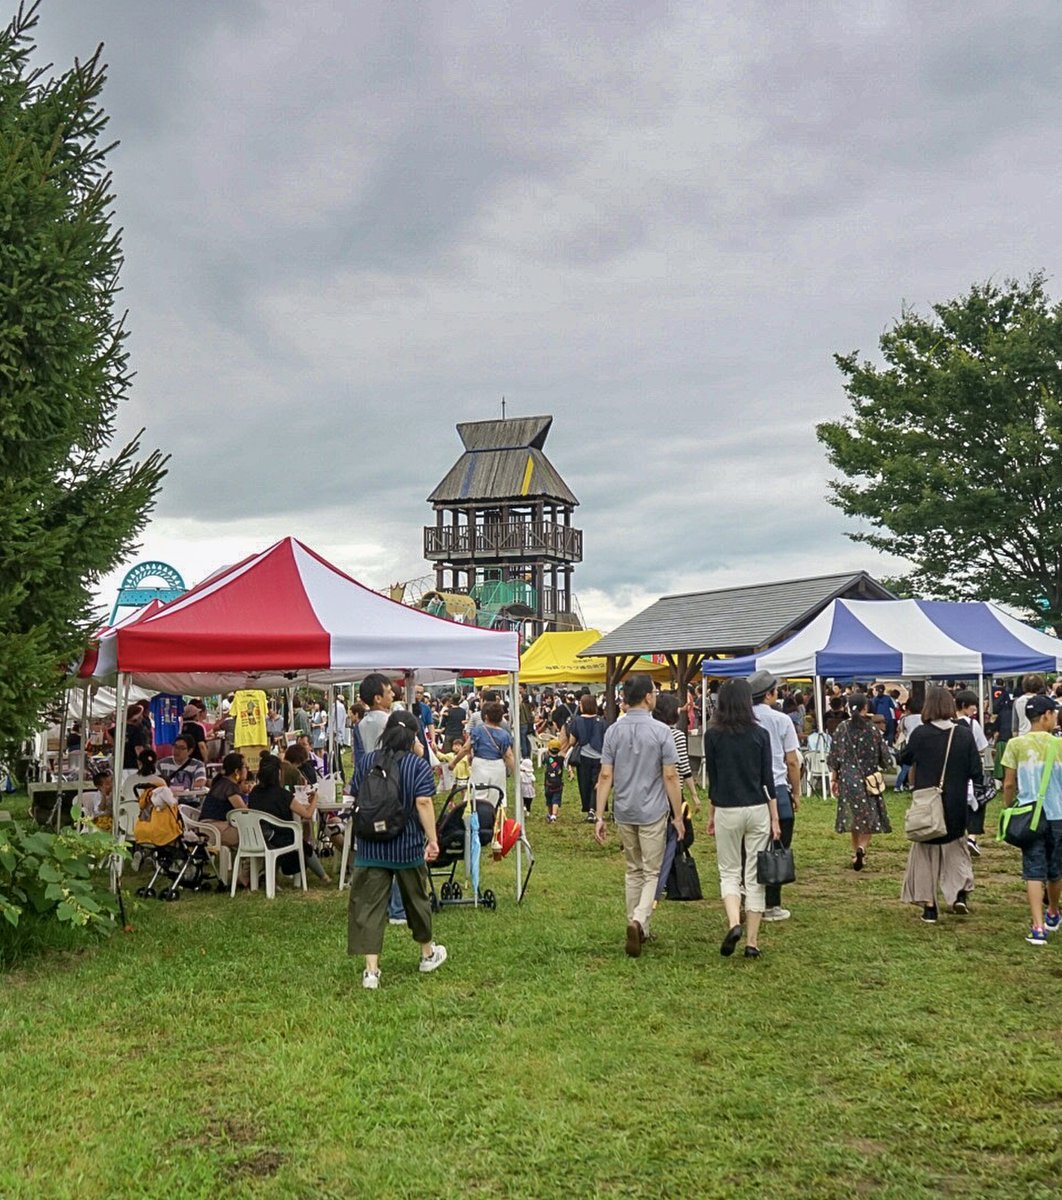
503	529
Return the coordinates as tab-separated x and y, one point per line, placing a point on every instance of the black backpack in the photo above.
379	812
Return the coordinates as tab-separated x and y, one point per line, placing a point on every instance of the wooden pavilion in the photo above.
688	628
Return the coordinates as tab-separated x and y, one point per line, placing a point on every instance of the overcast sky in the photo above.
350	225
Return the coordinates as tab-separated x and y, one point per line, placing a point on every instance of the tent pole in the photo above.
330	740
518	804
121	700
981	699
704	723
820	704
84	743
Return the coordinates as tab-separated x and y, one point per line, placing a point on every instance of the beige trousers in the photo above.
643	850
736	827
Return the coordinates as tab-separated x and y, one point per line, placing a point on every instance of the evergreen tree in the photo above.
70	506
952	453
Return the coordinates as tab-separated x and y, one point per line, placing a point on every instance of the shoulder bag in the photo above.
924	820
1022	824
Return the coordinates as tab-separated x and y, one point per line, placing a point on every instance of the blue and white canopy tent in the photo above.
918	639
908	639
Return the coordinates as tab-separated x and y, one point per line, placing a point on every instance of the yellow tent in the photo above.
551	658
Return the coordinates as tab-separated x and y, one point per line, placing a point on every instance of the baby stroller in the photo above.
452	833
159	835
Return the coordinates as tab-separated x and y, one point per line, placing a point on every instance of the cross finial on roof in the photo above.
503	408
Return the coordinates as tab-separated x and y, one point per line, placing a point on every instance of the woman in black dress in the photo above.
858	751
942	865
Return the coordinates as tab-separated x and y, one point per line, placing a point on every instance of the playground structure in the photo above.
492	604
132	593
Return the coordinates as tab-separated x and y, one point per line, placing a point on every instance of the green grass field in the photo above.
226	1048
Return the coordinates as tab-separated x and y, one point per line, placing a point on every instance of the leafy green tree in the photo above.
69	506
951	452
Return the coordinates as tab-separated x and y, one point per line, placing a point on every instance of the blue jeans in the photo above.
396	910
901	777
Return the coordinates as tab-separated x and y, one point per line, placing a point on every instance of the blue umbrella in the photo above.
473	850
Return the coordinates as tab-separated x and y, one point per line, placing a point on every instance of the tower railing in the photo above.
501	539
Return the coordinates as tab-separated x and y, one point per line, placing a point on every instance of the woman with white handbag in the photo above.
943	759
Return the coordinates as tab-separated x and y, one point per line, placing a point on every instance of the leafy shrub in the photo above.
51	879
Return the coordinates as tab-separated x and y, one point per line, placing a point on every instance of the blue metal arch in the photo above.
132	593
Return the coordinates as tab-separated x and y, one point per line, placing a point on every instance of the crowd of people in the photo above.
756	735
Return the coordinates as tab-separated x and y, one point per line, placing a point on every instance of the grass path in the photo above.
226	1049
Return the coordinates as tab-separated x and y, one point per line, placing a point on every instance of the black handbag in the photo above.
775	866
683	883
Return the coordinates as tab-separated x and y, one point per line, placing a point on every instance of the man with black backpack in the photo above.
394	824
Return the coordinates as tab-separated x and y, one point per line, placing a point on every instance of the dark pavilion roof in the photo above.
737	620
503	460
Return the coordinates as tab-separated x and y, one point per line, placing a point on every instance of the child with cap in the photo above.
553	779
1031	763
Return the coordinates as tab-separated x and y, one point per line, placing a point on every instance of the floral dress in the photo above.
858	750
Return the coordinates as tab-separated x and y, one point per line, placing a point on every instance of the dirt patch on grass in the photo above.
260	1164
241	1135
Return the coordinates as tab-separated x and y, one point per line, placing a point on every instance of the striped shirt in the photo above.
406	850
683	747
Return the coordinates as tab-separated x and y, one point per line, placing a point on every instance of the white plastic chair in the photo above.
248	823
346	815
539	749
128	811
212	835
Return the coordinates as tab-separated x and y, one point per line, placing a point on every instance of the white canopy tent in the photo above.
287	616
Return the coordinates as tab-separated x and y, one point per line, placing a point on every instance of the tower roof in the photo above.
503	460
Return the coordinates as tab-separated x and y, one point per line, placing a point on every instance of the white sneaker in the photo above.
777	914
370	980
435	959
396	920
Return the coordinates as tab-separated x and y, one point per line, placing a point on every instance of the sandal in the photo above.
857	862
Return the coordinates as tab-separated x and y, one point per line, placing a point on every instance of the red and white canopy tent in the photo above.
288	616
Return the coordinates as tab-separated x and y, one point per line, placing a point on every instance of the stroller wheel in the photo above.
455	892
145	891
170	894
444	891
489	900
434	901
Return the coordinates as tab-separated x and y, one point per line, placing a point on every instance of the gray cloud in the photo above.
351	225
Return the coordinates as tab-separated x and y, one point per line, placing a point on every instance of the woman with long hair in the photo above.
857	752
400	859
743	810
940	748
269	796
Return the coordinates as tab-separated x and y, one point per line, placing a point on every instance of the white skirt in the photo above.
489	772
